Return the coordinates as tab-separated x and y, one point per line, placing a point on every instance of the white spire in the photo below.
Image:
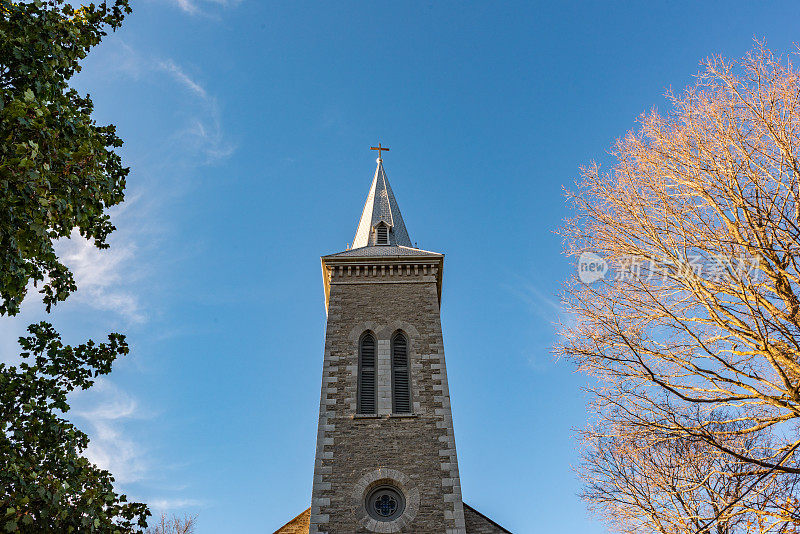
381	207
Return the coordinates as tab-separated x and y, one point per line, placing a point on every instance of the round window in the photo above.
385	503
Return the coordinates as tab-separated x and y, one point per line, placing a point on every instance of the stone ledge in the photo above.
384	416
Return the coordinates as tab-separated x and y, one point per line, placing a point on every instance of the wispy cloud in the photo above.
550	315
99	274
194	6
204	133
177	72
110	417
198	136
167	505
187	5
207	138
123	60
106	409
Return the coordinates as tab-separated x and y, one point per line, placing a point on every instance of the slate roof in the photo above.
381	206
477	523
382	251
298	525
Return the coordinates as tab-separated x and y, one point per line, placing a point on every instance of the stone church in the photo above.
386	452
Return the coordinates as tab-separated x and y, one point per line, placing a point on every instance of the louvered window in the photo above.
401	387
366	375
382	234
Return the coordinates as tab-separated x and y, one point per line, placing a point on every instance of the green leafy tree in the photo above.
46	484
58	168
58	172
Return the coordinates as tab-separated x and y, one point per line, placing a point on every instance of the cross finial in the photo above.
379	148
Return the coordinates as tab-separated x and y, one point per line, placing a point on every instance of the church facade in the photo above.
386	454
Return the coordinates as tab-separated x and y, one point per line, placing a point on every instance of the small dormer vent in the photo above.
382	235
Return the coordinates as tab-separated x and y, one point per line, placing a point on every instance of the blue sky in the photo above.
247	127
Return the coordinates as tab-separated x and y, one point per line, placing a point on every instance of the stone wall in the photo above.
354	453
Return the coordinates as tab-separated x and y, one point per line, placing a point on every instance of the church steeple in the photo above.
381	233
386	452
381	208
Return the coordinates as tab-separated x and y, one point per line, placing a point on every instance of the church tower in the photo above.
386	453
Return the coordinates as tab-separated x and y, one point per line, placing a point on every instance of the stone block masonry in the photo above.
415	453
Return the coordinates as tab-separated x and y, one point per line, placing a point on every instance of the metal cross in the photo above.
379	148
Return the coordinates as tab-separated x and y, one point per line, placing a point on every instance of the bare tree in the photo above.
642	480
694	341
173	525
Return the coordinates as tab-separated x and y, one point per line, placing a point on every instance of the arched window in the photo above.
366	375
401	386
382	234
